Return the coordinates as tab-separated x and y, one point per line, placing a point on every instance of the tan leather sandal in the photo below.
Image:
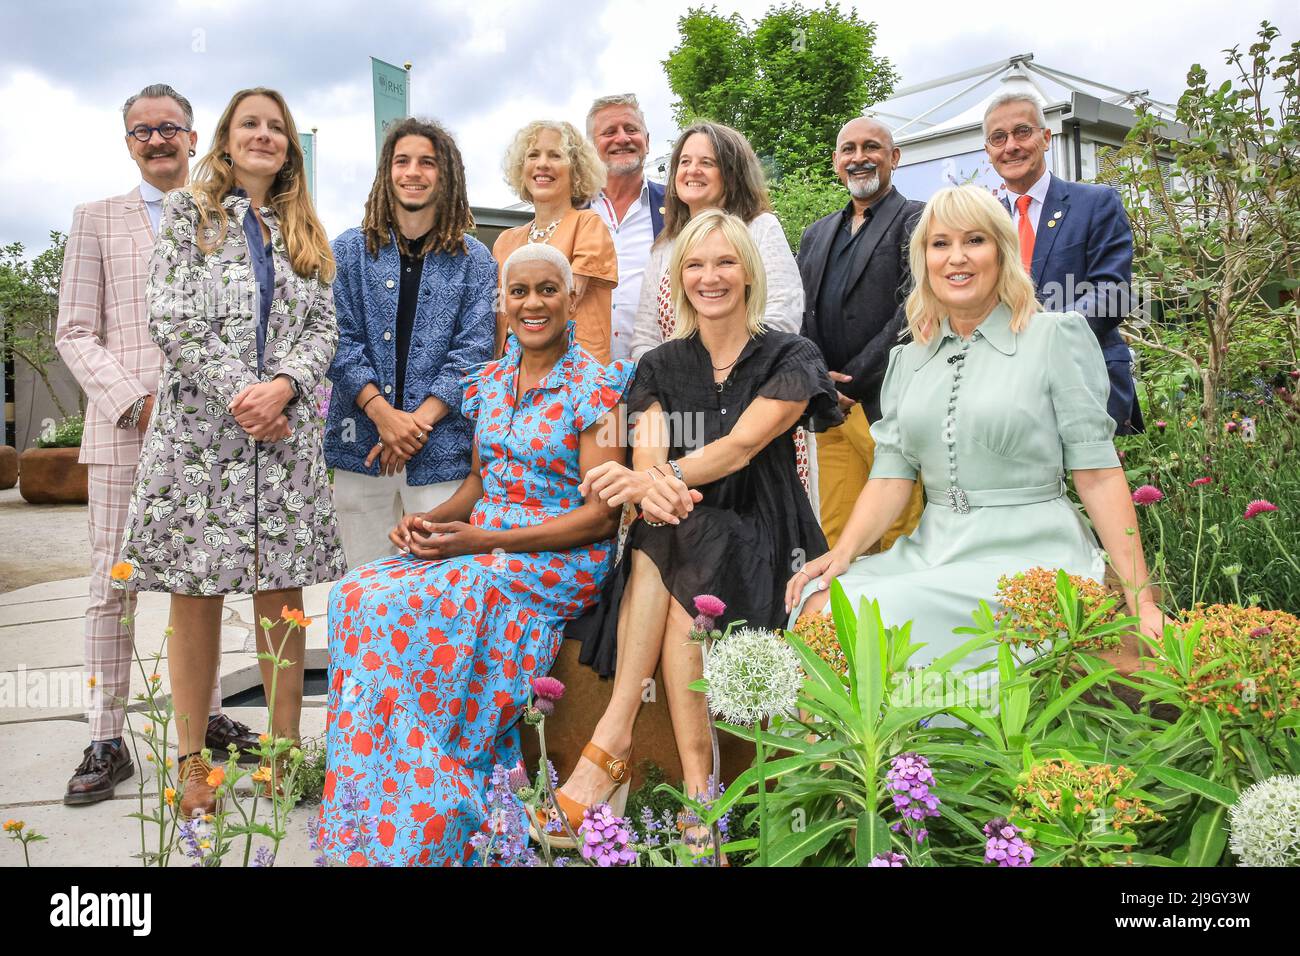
620	776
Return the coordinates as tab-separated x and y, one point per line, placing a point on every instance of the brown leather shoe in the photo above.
224	731
102	768
198	793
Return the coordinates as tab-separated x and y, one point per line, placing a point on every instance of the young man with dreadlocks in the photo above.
416	309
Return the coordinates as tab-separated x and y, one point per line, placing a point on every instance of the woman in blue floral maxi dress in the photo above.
431	660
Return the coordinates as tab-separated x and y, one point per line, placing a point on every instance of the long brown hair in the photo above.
451	213
744	190
214	177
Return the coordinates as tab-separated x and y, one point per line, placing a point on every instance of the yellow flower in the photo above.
261	774
169	763
147	729
217	777
169	795
205	845
91	681
121	571
149	757
13	826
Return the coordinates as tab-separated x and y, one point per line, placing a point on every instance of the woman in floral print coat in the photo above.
232	493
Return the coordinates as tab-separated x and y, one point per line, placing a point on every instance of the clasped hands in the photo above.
416	535
259	409
401	435
664	498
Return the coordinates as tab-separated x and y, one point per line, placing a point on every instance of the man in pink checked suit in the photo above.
103	336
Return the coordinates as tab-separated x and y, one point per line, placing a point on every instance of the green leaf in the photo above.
1183	780
794	848
870	659
1059	703
1260	764
1209	837
872	837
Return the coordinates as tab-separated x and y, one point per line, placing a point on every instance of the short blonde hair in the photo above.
967	208
586	172
735	232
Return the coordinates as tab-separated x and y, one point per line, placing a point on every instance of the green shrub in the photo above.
66	434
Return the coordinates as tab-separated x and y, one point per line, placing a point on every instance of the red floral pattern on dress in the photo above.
430	661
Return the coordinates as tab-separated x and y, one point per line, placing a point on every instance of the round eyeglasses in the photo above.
167	131
1021	133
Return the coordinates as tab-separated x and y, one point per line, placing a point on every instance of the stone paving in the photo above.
43	731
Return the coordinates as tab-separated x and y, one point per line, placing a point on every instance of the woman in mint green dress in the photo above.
988	405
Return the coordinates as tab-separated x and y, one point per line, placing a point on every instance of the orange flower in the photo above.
169	795
217	777
261	774
13	826
295	616
91	681
121	571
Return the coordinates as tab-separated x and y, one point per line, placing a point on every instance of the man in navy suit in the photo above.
1075	239
631	205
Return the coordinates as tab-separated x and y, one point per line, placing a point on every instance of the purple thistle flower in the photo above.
710	606
547	688
888	858
1005	846
605	837
544	706
910	778
703	623
518	778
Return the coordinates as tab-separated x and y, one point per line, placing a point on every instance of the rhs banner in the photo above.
392	98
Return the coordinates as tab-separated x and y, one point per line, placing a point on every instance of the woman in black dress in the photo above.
722	510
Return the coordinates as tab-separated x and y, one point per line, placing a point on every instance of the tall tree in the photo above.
1216	211
788	82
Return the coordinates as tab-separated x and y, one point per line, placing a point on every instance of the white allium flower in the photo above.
1266	823
753	675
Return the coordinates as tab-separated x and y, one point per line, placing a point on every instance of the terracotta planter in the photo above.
52	476
585	698
8	466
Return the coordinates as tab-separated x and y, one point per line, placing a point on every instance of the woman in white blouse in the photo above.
713	166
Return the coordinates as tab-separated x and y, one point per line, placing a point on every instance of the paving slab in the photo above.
103	834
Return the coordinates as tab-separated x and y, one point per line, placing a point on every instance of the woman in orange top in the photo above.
552	166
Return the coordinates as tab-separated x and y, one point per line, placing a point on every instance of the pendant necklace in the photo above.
541	235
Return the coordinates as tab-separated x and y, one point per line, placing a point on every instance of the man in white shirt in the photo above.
103	336
630	204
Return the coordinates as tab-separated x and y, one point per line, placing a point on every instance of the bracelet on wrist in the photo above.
131	417
677	470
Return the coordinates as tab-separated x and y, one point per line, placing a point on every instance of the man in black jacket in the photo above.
856	276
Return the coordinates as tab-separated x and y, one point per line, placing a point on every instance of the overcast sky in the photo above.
483	69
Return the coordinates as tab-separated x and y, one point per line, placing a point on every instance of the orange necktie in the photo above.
1026	230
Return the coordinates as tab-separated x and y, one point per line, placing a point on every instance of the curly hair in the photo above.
586	171
214	177
451	213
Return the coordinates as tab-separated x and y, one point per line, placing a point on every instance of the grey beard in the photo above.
626	167
864	190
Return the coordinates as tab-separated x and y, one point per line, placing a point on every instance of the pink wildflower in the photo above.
1147	495
1258	507
710	606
